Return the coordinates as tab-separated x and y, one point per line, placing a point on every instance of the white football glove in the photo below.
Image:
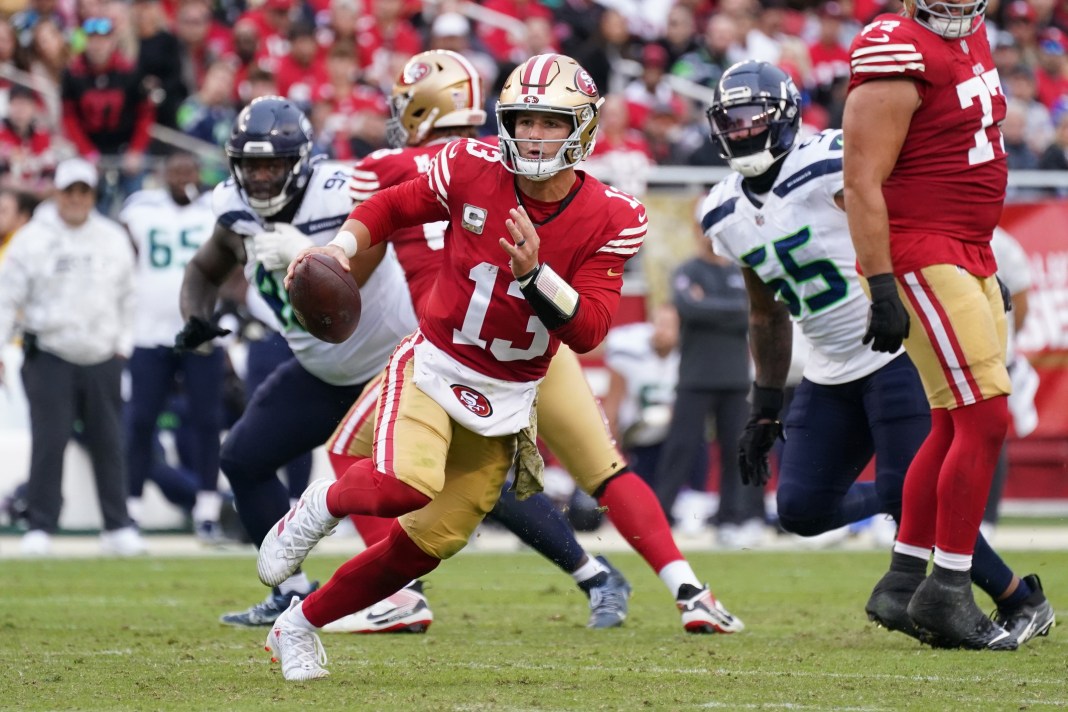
278	245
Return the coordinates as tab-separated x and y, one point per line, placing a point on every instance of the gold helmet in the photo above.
556	84
948	19
436	89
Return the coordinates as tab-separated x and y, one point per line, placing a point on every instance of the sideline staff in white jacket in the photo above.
67	278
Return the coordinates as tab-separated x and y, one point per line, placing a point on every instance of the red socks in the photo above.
635	512
948	482
374	574
919	501
371	529
964	483
365	490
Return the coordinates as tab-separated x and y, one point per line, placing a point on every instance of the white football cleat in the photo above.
299	650
702	613
288	542
406	611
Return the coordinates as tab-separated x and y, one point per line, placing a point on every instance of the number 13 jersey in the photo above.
947	189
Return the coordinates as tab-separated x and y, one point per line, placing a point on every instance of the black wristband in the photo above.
549	313
883	287
766	402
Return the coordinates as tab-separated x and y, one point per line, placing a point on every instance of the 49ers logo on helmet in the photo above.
584	83
414	72
530	99
472	400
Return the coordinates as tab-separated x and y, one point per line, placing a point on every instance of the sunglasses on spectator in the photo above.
97	26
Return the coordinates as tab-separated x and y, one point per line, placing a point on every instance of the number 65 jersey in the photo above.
947	189
797	242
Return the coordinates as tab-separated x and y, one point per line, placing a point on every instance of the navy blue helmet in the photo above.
270	153
755	116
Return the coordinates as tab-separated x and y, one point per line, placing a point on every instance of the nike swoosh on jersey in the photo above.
613	273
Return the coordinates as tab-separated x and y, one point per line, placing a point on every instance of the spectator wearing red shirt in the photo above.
27	157
503	44
1051	76
385	41
105	109
621	156
830	59
349	117
202	40
273	19
651	88
304	68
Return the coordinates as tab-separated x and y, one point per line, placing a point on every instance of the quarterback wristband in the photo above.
550	296
767	402
347	242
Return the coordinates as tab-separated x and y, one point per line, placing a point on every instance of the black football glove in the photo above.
1006	295
888	322
197	331
759	436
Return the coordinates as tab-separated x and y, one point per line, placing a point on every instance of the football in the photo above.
325	298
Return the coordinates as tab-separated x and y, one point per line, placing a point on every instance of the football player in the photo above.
277	202
167	226
921	124
780	216
533	257
437	99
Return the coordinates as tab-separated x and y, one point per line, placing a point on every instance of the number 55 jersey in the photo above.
797	241
947	189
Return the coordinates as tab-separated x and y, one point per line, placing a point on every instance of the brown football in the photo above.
325	298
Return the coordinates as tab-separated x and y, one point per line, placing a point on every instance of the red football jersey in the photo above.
418	248
947	189
476	312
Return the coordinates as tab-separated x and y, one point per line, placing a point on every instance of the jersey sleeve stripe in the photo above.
434	177
865	51
897	57
640	230
890	68
623	243
620	250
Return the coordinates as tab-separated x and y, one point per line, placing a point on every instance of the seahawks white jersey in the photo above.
387	310
166	235
798	243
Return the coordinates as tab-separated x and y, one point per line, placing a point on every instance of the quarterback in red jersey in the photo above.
925	179
533	258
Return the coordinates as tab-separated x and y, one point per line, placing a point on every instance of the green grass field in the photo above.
509	635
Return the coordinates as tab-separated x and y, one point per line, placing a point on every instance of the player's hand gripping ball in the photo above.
325	298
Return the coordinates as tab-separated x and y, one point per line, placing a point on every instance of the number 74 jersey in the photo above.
797	241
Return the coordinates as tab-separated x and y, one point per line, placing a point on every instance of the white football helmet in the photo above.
436	89
948	19
555	84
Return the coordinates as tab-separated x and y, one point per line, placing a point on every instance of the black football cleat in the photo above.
1032	618
889	602
945	613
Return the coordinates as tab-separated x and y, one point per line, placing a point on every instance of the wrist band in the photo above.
347	242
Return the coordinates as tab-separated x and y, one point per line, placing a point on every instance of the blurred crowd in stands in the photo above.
123	81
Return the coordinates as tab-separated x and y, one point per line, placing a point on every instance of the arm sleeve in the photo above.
406	205
598	300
